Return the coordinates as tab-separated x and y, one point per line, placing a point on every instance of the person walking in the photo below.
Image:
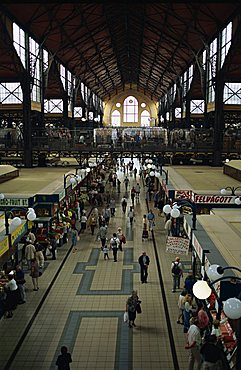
126	182
193	344
29	253
83	221
64	359
31	238
212	354
34	273
144	262
131	307
151	220
131	215
145	229
177	273
138	190
112	207
118	186
20	280
114	245
133	194
106	251
124	204
102	234
121	237
74	237
92	224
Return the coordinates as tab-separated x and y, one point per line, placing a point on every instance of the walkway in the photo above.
83	300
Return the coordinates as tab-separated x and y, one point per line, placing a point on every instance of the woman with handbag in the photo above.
133	307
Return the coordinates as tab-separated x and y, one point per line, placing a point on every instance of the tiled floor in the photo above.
84	308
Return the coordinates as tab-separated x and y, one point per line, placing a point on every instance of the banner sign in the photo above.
14	202
4	246
197	246
177	245
214	199
19	232
183	194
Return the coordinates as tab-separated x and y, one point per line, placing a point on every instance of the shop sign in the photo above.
197	246
183	194
14	202
4	246
214	199
18	233
177	245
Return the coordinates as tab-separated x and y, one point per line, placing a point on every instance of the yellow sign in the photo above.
4	246
18	231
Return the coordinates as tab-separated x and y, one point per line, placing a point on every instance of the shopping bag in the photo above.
138	308
126	317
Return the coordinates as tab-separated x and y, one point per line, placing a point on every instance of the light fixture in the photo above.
150	160
149	166
237	201
152	173
167	209
175	213
223	191
2	196
16	221
201	289
232	308
143	105
118	105
213	273
88	169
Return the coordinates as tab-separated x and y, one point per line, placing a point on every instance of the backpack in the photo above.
114	243
176	269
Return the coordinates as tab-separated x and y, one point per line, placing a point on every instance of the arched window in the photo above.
130	109
145	118
115	118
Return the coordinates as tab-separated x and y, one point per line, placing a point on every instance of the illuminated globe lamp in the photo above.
31	215
201	289
2	196
152	173
214	272
232	308
167	209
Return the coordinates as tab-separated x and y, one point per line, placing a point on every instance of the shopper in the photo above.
114	245
121	238
102	234
64	359
106	251
74	236
92	224
145	229
138	189
29	253
124	204
12	295
131	307
211	354
83	221
31	238
144	262
189	282
177	273
187	312
193	344
133	194
131	215
34	273
126	182
151	220
20	280
180	303
112	207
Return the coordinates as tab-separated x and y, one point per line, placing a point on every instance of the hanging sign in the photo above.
14	202
214	199
183	194
4	246
177	245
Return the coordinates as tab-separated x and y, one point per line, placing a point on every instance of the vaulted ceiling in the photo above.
110	45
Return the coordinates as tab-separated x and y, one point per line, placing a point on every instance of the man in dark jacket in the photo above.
144	261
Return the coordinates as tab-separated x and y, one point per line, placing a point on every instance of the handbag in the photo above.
123	239
126	317
138	308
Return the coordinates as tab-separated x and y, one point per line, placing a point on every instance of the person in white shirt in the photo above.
29	253
83	222
114	245
106	251
194	341
138	190
131	215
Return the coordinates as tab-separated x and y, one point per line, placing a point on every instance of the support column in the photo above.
27	129
218	127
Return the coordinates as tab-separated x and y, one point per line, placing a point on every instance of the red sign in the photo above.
215	199
183	194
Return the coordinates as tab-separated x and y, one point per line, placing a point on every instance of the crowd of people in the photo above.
202	333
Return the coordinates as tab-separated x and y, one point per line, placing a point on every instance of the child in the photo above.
105	251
